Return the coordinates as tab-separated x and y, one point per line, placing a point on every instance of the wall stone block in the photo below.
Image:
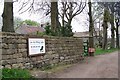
8	66
15	66
59	50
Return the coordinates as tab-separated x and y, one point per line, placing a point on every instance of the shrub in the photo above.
15	73
64	31
40	33
48	29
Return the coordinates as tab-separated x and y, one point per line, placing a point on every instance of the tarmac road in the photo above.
100	66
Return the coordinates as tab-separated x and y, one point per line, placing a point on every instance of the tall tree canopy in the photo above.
30	22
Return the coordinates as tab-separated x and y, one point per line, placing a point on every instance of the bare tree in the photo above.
68	11
97	16
71	9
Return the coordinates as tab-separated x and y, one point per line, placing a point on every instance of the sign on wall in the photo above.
36	46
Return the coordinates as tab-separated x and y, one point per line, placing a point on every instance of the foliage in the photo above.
40	33
48	29
62	31
107	15
31	23
66	31
15	73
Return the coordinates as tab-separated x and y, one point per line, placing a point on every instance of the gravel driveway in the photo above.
101	66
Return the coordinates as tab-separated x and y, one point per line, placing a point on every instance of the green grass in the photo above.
101	51
15	73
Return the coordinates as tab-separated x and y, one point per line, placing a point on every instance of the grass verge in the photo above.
49	71
101	51
56	68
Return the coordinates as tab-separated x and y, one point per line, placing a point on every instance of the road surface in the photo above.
101	66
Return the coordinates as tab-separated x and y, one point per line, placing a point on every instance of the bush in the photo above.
15	73
40	33
48	29
64	31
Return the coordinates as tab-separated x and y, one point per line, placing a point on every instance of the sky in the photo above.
1	11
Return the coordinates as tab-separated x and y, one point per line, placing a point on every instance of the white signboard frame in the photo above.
36	46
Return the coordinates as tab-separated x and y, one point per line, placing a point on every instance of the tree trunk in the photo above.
117	34
54	16
8	17
91	26
105	36
105	26
100	36
112	32
63	20
69	22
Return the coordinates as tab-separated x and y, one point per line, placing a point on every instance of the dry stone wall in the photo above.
59	50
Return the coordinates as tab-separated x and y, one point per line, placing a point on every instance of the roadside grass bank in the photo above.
49	72
100	51
15	73
26	75
57	68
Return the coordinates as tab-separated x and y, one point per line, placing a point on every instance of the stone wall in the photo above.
63	50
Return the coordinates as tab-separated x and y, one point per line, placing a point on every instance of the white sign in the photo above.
36	46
